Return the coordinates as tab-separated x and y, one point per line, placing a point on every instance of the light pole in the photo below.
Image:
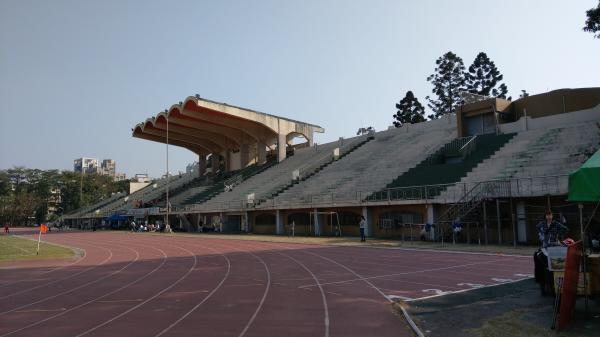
167	227
81	188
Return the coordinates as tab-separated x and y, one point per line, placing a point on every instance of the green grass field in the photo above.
13	248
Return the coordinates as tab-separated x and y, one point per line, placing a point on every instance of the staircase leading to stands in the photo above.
471	200
309	171
445	166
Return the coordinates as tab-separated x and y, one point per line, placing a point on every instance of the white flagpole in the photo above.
39	239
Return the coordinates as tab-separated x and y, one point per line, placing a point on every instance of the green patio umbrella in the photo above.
584	184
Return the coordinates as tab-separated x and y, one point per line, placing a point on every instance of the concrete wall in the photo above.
134	186
557	102
554	121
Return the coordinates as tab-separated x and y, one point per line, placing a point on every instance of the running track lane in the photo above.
162	285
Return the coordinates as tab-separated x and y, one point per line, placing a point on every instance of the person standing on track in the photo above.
6	229
363	227
550	233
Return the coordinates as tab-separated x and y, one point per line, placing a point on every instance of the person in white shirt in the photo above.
363	227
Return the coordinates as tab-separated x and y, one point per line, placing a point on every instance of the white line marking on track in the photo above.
436	291
401	274
121	301
205	299
148	299
472	285
502	280
465	290
323	297
397	297
262	300
90	301
76	288
42	310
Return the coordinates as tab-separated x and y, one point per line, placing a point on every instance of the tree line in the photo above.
27	195
450	77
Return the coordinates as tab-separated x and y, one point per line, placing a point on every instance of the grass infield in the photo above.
13	248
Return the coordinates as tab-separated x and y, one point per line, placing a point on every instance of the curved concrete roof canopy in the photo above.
204	126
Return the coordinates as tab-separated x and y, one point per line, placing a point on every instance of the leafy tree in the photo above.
523	94
26	194
410	111
448	80
483	78
592	24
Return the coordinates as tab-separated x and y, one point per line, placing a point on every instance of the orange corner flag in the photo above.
43	228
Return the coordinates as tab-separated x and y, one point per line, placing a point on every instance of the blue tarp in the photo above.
116	217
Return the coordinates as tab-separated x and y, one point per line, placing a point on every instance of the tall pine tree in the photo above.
592	24
409	111
484	78
448	80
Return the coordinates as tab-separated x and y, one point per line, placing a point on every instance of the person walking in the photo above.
6	229
363	227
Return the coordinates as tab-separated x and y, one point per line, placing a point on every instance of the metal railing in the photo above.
461	192
469	147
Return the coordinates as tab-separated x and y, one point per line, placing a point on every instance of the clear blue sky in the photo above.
76	76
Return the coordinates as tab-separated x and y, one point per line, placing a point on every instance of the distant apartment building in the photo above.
85	165
107	167
120	177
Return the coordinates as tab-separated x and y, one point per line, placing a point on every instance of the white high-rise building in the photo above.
85	165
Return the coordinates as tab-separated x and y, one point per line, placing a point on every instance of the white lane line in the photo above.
430	250
50	283
262	300
412	324
436	291
323	297
465	290
398	297
42	310
472	285
147	300
398	274
121	301
184	316
38	322
81	257
70	290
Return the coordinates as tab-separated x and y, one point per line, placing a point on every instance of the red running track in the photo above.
131	284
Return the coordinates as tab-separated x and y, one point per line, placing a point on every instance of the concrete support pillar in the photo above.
246	223
244	155
215	163
369	218
310	138
316	223
281	144
431	220
499	221
201	165
261	150
227	156
279	230
221	222
521	222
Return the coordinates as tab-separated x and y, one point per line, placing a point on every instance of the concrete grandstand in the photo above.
494	165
